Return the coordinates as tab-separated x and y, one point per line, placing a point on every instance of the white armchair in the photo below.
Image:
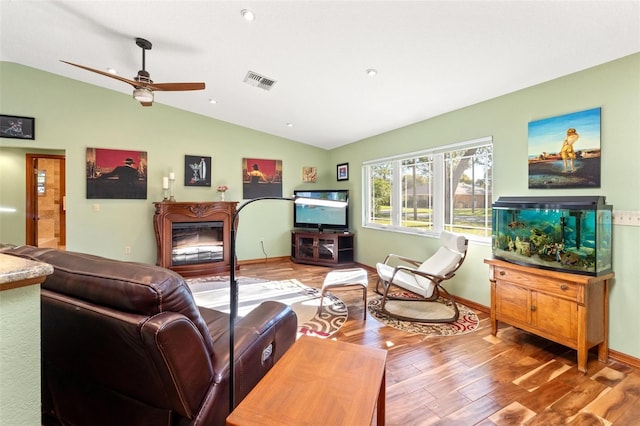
422	279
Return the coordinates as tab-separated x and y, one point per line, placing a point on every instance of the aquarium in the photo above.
567	234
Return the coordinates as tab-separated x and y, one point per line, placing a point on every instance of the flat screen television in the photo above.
321	217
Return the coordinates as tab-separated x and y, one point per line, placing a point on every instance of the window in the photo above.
447	188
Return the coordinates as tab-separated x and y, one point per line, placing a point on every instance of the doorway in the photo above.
46	210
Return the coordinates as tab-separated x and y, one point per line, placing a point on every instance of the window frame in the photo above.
438	195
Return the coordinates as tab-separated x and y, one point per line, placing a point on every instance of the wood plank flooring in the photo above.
514	378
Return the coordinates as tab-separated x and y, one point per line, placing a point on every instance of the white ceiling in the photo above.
432	56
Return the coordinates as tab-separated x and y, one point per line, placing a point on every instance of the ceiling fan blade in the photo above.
106	74
176	87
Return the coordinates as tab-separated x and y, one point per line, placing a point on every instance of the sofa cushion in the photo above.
149	289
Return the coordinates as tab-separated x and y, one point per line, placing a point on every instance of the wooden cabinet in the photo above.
569	309
320	248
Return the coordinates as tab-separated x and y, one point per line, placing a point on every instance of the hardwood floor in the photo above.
476	379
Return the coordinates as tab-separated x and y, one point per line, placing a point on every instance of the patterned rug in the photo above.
467	322
213	292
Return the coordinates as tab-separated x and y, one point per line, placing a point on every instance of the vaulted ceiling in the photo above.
431	56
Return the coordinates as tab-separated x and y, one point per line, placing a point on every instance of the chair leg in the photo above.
364	301
384	299
378	286
321	302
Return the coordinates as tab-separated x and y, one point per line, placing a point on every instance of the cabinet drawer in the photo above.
566	289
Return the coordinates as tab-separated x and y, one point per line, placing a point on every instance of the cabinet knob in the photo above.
533	308
564	287
502	272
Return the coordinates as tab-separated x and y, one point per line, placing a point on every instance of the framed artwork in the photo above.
114	173
261	178
342	171
564	151
13	126
309	174
197	170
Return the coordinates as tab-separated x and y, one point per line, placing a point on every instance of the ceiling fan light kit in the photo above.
143	86
142	94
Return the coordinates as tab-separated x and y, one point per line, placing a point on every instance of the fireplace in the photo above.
194	238
197	242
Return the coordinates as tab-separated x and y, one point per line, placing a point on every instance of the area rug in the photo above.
213	292
467	322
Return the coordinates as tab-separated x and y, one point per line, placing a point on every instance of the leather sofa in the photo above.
124	344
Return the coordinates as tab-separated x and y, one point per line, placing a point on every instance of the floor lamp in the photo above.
233	296
233	283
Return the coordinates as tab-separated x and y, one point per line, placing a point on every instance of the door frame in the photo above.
31	187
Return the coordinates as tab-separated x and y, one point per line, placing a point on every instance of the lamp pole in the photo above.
233	296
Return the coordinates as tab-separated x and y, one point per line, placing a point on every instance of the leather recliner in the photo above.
124	344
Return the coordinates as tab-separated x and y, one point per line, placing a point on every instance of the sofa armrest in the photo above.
261	338
181	358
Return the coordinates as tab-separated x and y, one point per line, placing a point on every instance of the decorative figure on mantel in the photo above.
222	189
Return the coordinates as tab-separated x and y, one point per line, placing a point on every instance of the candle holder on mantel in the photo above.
165	188
172	179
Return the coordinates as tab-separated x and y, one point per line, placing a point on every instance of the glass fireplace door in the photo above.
197	242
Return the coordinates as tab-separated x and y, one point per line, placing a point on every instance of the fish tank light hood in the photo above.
574	202
567	234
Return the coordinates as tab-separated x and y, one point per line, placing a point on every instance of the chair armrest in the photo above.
399	258
421	273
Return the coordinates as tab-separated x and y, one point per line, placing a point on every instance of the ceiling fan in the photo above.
143	86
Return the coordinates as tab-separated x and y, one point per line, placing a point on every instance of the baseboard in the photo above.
624	359
265	260
472	305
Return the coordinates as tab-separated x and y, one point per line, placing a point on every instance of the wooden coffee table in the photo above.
318	382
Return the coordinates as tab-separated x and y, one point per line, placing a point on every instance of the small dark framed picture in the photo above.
197	170
16	127
342	171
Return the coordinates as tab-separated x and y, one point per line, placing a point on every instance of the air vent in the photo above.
257	80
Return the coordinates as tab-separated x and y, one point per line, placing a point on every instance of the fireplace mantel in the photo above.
185	213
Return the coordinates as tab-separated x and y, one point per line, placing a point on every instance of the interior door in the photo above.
45	210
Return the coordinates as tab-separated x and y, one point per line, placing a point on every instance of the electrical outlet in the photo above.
127	250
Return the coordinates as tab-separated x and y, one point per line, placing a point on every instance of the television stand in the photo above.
324	249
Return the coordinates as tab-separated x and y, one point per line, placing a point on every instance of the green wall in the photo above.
71	116
615	87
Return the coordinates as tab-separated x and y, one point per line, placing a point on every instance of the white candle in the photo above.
165	183
172	176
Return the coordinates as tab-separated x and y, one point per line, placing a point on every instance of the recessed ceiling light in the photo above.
247	14
372	72
289	124
213	101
